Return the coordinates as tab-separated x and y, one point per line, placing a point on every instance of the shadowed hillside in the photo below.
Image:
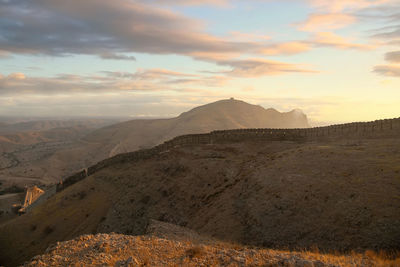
336	195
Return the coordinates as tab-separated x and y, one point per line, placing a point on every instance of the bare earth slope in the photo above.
27	154
336	195
44	125
27	149
44	158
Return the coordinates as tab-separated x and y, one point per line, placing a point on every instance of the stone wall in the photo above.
374	129
72	180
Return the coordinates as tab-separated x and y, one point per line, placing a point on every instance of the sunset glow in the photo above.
337	60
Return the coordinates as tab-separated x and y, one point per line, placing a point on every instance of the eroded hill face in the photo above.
337	195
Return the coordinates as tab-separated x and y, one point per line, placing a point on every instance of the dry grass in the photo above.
153	251
194	252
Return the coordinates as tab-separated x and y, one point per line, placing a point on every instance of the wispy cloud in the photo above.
188	2
390	36
330	39
340	5
329	21
286	48
388	70
107	82
117	56
260	67
393	56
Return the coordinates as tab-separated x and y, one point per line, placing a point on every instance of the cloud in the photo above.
286	48
329	39
260	67
243	36
107	82
116	29
393	56
117	56
318	22
16	76
154	74
388	70
392	33
390	36
189	2
105	28
340	5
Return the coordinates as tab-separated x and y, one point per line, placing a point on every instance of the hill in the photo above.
220	115
337	195
36	125
56	153
25	145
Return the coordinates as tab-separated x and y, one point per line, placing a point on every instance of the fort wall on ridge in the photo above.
387	128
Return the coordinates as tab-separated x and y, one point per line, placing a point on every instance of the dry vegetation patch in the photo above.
123	250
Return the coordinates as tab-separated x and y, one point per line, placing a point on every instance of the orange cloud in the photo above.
16	76
288	48
333	40
317	22
213	56
255	67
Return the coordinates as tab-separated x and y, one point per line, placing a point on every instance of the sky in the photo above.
337	60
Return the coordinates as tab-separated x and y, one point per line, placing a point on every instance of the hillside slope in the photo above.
54	160
220	115
44	125
27	149
337	195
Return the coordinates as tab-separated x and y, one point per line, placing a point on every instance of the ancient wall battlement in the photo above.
373	129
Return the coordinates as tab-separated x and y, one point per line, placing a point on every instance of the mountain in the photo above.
220	115
54	152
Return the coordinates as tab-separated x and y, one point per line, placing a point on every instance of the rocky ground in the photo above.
170	245
337	196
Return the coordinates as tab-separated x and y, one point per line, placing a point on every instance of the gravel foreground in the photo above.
124	250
